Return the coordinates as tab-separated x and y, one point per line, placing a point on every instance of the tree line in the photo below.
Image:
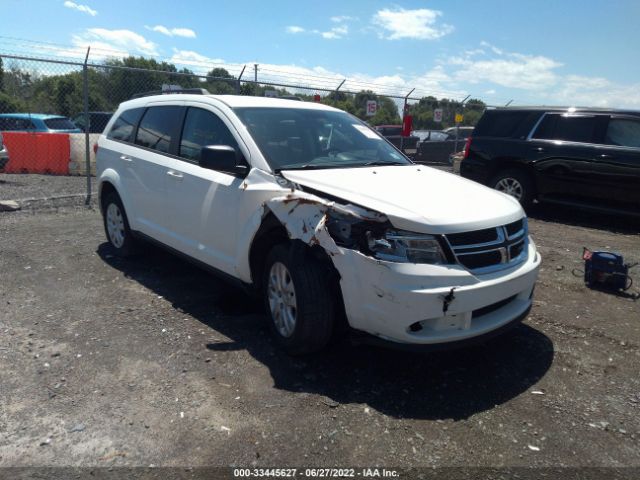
117	80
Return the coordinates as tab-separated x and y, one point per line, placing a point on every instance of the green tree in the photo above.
9	104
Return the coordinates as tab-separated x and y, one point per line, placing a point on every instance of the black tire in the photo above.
315	303
520	180
126	246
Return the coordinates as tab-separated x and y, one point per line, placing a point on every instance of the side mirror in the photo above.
222	158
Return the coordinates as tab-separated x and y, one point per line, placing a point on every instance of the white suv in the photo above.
319	214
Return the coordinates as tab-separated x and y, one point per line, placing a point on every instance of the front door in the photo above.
203	203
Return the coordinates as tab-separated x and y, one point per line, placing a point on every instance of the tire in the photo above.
116	226
516	183
295	278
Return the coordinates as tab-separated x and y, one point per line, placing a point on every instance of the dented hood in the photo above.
415	198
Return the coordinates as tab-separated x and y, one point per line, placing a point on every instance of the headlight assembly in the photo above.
406	247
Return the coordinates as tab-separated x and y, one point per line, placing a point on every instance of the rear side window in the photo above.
59	124
500	123
157	128
202	128
13	124
623	132
393	131
569	128
125	125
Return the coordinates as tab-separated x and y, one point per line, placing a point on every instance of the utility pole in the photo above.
255	78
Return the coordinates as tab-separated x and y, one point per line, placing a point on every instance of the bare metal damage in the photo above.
305	216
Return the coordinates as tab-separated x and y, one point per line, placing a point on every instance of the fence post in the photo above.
87	147
404	114
238	85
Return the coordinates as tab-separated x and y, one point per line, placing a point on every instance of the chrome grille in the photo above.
490	249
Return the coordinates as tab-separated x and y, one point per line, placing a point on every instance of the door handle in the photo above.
605	156
125	158
538	149
175	175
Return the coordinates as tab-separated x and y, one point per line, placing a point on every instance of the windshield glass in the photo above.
298	138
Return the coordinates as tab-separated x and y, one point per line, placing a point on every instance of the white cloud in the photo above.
341	18
173	32
191	59
336	32
512	70
420	24
81	8
295	29
114	42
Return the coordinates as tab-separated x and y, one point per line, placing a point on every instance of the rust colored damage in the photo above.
305	217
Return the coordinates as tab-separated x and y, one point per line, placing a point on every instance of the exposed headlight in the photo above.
406	247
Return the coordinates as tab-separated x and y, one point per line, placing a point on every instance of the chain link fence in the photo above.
53	111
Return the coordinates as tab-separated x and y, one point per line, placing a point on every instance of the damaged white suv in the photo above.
309	207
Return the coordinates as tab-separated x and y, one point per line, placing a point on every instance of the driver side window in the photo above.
202	128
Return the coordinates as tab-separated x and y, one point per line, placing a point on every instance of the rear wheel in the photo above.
298	300
515	183
116	225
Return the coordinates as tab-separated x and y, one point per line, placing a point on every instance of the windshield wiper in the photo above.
307	166
379	163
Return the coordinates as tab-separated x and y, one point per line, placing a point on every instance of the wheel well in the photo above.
519	167
271	233
105	189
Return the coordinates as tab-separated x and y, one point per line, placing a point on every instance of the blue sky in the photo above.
549	52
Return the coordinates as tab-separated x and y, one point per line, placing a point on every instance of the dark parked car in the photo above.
4	155
578	156
36	122
438	145
97	121
393	133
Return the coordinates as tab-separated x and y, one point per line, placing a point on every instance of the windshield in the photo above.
298	138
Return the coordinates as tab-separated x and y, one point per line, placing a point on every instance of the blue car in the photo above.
36	122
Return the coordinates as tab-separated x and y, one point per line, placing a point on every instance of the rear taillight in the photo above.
95	148
467	147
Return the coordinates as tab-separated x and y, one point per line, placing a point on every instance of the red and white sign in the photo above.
372	108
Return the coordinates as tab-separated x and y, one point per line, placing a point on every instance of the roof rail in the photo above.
190	91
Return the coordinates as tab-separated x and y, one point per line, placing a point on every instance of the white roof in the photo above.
232	101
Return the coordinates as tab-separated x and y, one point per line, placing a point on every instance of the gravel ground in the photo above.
110	362
23	186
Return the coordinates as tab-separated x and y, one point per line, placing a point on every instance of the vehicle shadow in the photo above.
438	385
571	215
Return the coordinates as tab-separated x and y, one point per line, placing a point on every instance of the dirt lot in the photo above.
108	362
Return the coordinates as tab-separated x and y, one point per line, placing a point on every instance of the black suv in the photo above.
580	156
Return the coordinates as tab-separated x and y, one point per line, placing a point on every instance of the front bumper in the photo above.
405	303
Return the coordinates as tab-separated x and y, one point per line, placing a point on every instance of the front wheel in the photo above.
298	300
515	183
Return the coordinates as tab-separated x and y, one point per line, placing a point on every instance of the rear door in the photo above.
149	161
203	204
562	151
